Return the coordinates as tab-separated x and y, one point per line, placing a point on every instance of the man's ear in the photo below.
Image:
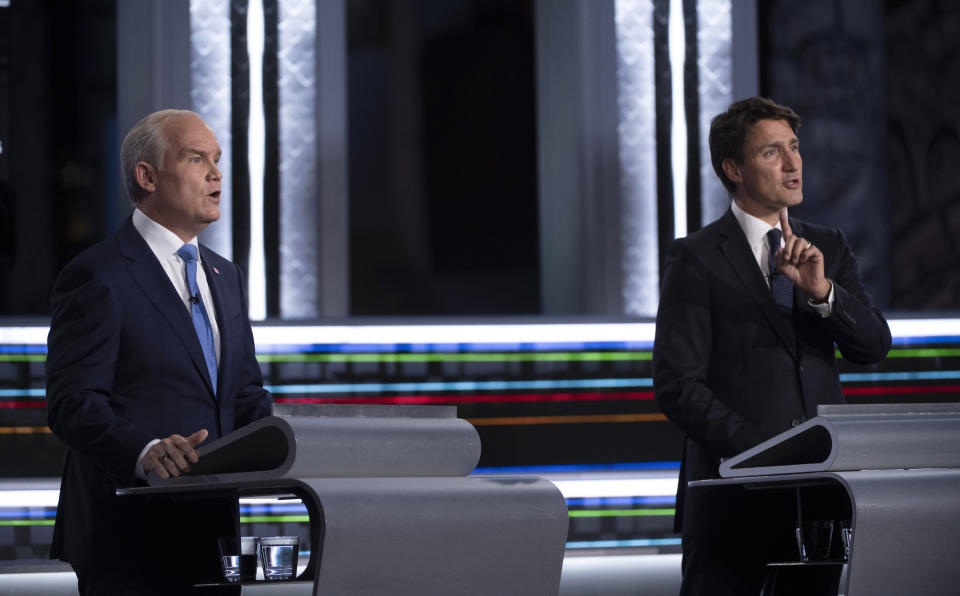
146	176
732	170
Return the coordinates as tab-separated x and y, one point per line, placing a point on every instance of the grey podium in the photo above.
392	508
893	470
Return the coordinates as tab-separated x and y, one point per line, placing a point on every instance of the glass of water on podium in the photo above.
239	558
278	556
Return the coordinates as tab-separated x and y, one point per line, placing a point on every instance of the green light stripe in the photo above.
916	353
23	357
924	353
27	522
474	357
274	519
621	512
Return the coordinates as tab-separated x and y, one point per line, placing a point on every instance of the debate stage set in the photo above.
518	457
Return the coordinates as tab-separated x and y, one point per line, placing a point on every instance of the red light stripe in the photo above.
896	390
22	404
588	419
451	399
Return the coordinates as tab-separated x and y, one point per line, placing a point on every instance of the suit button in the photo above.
795	422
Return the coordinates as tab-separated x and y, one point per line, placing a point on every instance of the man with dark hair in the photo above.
150	354
752	309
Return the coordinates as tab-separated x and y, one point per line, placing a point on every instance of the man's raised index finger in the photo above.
785	224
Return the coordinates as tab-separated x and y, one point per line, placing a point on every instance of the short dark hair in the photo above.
728	131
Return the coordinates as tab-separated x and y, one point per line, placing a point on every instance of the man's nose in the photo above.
790	161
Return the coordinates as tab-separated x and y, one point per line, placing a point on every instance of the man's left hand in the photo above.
802	262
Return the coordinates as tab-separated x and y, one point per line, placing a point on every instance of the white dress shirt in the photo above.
165	245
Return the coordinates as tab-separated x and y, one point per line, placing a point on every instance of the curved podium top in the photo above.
858	437
319	441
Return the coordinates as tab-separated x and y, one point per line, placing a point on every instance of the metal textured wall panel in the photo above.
637	154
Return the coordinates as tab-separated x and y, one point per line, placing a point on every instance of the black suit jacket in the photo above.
731	370
124	366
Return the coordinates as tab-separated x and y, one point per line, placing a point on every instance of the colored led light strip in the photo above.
24	430
625	543
274	519
23	392
608	502
431	348
455	334
933	327
470	399
924	353
934	375
390	357
590	488
384	353
251	509
460	386
27	522
29	498
623	467
622	513
901	390
616	487
583	419
943	330
24	335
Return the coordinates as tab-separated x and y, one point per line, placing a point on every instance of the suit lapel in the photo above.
153	281
733	245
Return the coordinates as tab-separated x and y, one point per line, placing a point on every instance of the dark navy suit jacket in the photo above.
731	370
124	367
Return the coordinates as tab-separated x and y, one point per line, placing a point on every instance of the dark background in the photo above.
442	104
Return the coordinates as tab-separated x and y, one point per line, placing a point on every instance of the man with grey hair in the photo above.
150	354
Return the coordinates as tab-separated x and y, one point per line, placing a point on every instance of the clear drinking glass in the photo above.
278	556
230	558
239	558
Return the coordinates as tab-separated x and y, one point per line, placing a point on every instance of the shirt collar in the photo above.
161	241
754	228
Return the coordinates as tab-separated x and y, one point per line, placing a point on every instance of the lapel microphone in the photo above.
194	299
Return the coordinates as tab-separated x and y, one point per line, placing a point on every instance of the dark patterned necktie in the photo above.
780	284
198	312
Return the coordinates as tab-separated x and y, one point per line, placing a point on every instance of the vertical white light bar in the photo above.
715	80
300	197
678	127
210	98
256	275
637	153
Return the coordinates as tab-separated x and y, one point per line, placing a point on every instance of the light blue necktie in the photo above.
198	312
780	284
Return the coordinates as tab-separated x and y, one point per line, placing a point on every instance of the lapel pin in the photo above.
217	271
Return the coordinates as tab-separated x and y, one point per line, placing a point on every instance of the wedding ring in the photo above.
163	460
809	244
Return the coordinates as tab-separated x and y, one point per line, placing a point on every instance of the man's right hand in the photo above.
172	456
